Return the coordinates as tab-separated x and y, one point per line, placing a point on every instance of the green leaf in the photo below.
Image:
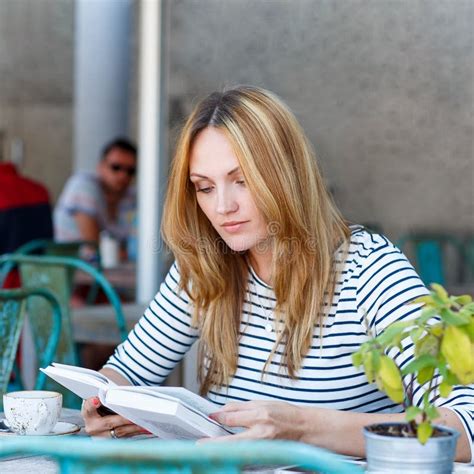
397	341
454	319
416	333
426	400
425	375
357	359
376	360
426	315
456	348
440	291
450	378
419	363
369	366
412	412
469	307
423	432
426	300
390	332
428	344
439	302
436	329
445	389
463	299
432	413
470	330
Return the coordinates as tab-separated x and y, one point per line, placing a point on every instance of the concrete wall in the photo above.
36	71
384	89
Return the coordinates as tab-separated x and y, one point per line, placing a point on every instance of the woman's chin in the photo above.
237	245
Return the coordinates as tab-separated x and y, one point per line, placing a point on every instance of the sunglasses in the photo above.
126	169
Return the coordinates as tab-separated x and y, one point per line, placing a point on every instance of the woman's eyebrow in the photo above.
206	177
233	171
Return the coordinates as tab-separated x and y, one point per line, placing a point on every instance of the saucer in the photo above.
61	428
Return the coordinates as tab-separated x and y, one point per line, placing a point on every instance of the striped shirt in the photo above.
375	283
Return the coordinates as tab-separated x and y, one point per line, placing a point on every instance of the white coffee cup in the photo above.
109	250
32	412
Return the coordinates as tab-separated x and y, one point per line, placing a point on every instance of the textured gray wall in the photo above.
36	71
384	90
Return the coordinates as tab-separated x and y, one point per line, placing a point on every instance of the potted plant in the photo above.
443	339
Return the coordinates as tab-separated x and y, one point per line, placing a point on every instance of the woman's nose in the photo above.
226	202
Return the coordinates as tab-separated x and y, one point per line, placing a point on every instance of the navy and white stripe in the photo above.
375	283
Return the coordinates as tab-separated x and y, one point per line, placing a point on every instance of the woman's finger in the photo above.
89	407
238	406
244	435
126	431
244	418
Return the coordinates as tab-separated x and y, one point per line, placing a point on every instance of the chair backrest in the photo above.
12	317
78	454
429	252
60	249
50	247
55	274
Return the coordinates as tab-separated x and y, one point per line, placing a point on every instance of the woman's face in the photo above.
222	193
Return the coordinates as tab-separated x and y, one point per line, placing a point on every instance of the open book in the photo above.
167	412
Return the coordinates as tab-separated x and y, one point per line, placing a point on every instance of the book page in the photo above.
163	415
89	372
189	398
85	383
166	428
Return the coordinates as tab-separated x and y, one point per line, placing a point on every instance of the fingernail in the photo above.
96	402
145	431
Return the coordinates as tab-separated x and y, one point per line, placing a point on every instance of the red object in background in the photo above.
25	212
12	280
17	191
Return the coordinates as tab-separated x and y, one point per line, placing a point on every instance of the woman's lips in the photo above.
233	227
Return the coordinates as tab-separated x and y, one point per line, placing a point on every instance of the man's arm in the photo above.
88	226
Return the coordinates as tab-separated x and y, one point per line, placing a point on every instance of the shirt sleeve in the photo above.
161	337
387	282
82	194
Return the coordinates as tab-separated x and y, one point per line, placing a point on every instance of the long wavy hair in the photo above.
305	227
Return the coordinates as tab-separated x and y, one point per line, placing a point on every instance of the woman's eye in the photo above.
240	181
204	190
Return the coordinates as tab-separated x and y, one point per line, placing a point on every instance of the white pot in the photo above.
391	454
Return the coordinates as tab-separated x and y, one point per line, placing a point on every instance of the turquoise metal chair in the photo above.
12	318
49	247
56	274
429	252
84	455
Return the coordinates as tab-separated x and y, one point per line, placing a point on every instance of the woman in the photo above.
277	287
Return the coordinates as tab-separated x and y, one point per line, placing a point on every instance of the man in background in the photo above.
91	203
102	201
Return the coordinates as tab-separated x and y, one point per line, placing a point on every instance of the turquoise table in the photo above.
41	464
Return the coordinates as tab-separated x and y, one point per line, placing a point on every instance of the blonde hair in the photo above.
305	227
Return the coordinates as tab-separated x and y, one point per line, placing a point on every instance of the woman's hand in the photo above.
263	420
110	426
